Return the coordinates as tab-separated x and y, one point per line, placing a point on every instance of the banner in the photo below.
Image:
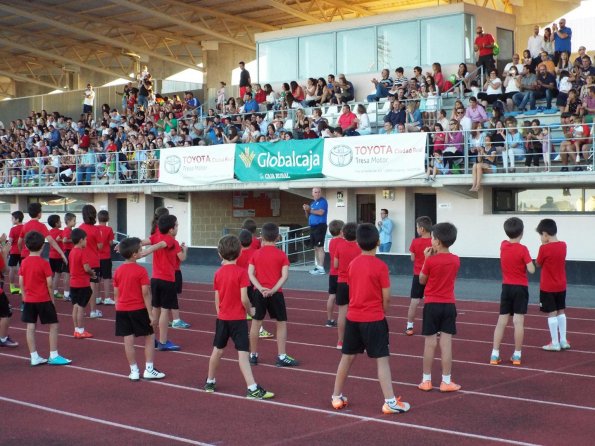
187	166
375	157
279	161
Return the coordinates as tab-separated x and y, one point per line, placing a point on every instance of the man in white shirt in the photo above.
516	61
89	100
534	45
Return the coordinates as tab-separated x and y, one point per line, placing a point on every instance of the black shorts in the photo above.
164	294
14	259
274	305
45	311
135	323
318	235
80	296
369	336
179	282
439	318
550	302
332	284
5	310
97	275
67	255
342	294
57	266
514	299
105	267
250	290
417	289
236	330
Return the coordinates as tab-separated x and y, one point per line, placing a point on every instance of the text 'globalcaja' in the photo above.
308	160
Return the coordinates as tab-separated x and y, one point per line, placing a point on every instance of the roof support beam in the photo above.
292	11
18	77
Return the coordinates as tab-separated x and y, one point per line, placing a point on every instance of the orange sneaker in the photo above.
84	335
409	331
451	387
426	386
339	402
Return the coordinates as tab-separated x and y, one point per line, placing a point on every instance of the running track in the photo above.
546	401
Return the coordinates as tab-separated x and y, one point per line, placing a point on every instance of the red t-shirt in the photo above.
552	259
333	245
346	252
93	239
514	258
129	279
268	263
255	243
441	270
417	247
368	275
76	261
56	234
229	281
346	120
35	271
2	268
32	225
66	234
178	249
13	235
245	257
106	237
484	39
164	260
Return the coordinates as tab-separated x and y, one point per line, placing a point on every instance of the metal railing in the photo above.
461	84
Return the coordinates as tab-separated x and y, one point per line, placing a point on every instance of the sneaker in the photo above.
168	347
180	324
58	296
398	407
450	387
288	361
67	298
426	386
551	347
156	344
14	290
317	271
253	359
109	301
331	323
38	361
134	376
259	394
248	317
265	334
153	374
495	360
98	301
409	331
95	314
339	345
209	387
10	343
564	345
515	360
85	334
564	169
59	360
339	402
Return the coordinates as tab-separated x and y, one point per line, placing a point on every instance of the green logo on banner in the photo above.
279	161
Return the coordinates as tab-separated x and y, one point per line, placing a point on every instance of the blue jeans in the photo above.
385	247
381	92
547	94
84	173
522	98
143	101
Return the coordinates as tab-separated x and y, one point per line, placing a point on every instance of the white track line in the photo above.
104	422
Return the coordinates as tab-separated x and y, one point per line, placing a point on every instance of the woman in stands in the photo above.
453	152
512	84
363	121
300	124
462	75
564	64
231	106
476	141
297	91
232	137
438	139
271	96
438	77
486	163
311	93
548	42
527	59
492	89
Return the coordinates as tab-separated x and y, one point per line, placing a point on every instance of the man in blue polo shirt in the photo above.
562	39
317	212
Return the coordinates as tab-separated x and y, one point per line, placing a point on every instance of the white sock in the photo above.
446	379
427	377
517	353
553	324
409	324
80	330
54	354
66	293
282	357
562	326
261	329
34	356
149	366
213	381
134	368
253	387
391	401
4	339
496	353
176	320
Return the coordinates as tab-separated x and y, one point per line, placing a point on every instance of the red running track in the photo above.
548	400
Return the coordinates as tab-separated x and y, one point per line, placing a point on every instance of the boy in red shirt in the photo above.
105	257
515	261
81	274
232	303
93	247
250	225
552	286
438	274
345	253
134	311
334	228
34	210
35	280
14	256
423	226
5	310
56	262
366	327
268	271
67	245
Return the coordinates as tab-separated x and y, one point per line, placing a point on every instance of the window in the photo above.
277	61
398	45
544	201
469	38
442	40
356	51
4	207
316	55
57	205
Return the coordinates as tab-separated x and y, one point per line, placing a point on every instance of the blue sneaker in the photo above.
168	347
59	360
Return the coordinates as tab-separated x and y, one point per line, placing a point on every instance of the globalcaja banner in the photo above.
187	166
375	158
279	161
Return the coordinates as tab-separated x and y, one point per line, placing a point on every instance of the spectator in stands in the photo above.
589	102
512	83
548	42
297	91
89	100
546	85
516	62
476	112
387	129
348	121
492	89
549	65
586	69
413	118
328	91
527	89
562	39
312	96
145	90
382	86
454	146
486	163
363	121
250	105
271	96
442	119
400	81
463	77
534	45
418	75
564	87
191	104
396	115
484	45
344	91
514	146
259	94
245	80
438	77
563	64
